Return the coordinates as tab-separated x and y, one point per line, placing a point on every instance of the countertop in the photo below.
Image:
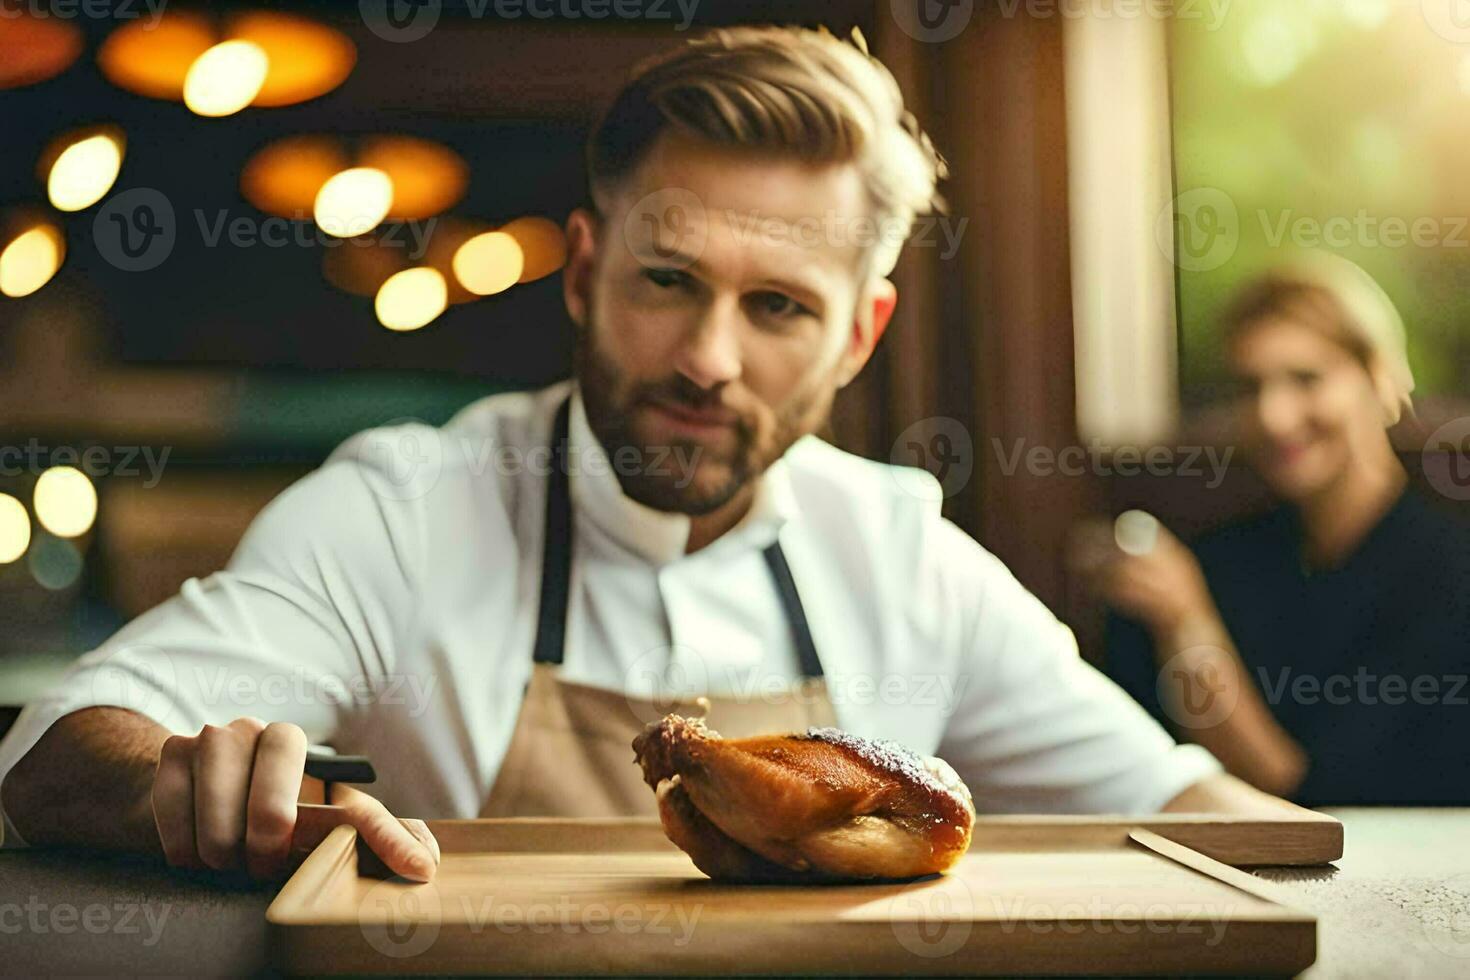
1397	904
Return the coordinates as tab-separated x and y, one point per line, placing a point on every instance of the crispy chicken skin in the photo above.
823	805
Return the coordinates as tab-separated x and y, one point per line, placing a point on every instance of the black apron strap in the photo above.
556	549
801	633
556	567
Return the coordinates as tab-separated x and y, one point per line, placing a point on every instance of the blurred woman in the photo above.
1319	651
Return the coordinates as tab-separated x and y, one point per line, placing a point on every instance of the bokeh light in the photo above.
1275	43
152	59
156	57
1367	14
353	202
307	59
54	563
488	263
411	299
36	48
226	78
428	177
287	177
84	171
30	259
66	501
15	529
543	245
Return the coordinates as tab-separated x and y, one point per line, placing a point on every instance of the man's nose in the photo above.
710	352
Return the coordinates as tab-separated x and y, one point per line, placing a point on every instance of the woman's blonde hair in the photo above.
792	91
1335	297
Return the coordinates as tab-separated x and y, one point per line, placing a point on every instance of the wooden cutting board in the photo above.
1033	896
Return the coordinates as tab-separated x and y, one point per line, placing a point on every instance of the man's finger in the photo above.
270	812
222	762
173	802
404	846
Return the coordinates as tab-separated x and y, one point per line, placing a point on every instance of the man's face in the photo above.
717	315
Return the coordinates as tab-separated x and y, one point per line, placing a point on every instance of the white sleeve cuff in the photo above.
1185	766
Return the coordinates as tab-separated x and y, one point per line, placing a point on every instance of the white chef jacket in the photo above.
387	604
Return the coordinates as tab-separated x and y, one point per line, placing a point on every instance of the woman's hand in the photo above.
1146	573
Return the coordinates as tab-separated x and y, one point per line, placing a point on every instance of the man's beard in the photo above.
667	477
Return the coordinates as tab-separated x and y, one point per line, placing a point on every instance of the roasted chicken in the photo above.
823	805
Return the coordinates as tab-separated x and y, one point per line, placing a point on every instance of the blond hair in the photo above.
792	91
1343	303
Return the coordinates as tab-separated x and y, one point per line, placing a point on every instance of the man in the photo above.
492	609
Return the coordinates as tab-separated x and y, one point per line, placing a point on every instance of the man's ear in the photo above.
883	295
576	278
885	300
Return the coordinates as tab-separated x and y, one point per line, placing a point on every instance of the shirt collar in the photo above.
659	536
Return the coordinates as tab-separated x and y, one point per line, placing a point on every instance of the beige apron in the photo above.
572	751
571	754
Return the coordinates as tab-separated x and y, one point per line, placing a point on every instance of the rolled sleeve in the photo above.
299	628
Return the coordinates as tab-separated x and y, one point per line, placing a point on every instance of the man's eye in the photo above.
778	306
1305	379
665	278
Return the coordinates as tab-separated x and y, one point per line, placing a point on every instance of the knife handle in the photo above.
331	768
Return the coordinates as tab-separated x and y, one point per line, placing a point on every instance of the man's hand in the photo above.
111	778
227	798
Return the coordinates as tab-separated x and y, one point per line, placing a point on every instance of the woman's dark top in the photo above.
1365	664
